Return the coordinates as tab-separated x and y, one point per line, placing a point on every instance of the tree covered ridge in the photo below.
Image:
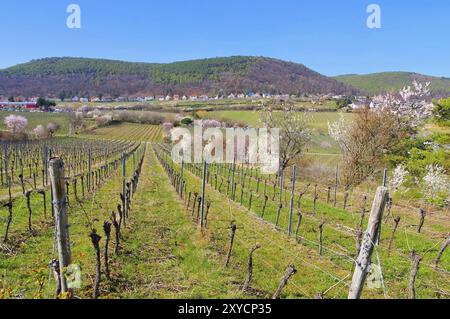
171	73
378	83
223	75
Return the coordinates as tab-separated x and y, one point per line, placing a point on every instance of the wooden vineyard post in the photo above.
370	238
61	213
291	209
385	177
202	216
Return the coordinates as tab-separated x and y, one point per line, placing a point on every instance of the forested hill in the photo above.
89	77
393	81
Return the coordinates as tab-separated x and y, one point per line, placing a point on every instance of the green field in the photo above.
38	118
321	142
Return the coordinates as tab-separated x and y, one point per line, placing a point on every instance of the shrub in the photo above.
41	132
52	128
186	121
441	112
104	120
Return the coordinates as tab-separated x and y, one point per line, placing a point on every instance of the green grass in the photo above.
339	242
321	141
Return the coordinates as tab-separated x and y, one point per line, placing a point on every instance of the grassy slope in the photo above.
392	81
318	272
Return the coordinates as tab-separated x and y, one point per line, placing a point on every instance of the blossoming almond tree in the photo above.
410	105
398	178
294	131
16	124
436	183
378	128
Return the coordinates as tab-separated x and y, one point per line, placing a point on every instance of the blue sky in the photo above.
328	36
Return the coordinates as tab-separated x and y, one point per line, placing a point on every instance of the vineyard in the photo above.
129	132
142	226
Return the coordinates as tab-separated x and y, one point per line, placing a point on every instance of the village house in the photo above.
149	98
176	97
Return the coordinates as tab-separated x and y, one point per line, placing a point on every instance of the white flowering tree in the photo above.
16	124
411	105
377	129
435	184
294	131
398	179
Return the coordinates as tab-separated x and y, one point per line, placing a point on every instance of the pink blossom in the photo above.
16	124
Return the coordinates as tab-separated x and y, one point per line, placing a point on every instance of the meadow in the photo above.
39	118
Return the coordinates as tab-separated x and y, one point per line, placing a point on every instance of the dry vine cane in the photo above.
107	229
250	268
290	271
95	242
233	228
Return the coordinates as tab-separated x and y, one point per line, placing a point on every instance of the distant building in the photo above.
19	105
84	100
